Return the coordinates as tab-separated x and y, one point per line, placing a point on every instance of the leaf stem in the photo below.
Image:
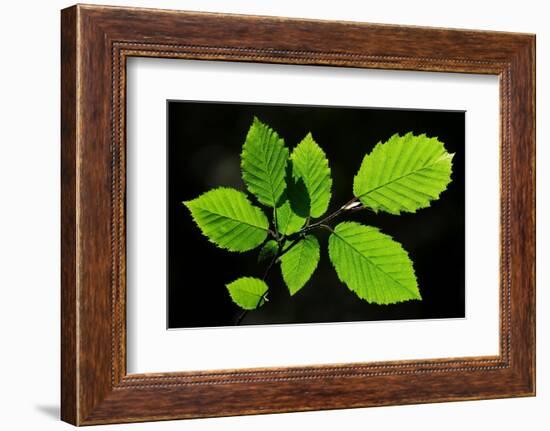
327	227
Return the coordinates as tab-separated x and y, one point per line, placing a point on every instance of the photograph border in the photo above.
95	43
282	106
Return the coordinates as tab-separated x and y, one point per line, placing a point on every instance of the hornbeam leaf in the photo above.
292	214
228	219
288	222
263	161
405	174
299	263
248	292
268	250
372	264
310	163
296	192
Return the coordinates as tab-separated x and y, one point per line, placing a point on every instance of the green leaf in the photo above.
296	192
263	161
268	250
299	263
372	264
288	222
310	163
292	214
248	292
403	174
228	219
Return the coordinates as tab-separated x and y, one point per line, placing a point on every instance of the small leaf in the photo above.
310	163
299	263
403	174
228	219
263	161
268	250
288	222
248	292
372	264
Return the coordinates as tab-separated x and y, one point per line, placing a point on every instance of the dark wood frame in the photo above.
95	43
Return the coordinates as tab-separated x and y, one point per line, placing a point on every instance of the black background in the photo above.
204	145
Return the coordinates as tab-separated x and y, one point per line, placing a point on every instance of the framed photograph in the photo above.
265	214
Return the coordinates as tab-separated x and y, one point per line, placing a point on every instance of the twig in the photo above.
351	205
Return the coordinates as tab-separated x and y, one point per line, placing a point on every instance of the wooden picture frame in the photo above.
95	43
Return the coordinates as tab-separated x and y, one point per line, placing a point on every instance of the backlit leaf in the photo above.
310	164
372	264
248	292
293	212
288	222
228	219
263	161
299	263
296	192
405	174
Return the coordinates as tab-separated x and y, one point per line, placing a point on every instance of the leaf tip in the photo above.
188	204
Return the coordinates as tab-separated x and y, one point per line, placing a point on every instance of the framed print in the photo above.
265	214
